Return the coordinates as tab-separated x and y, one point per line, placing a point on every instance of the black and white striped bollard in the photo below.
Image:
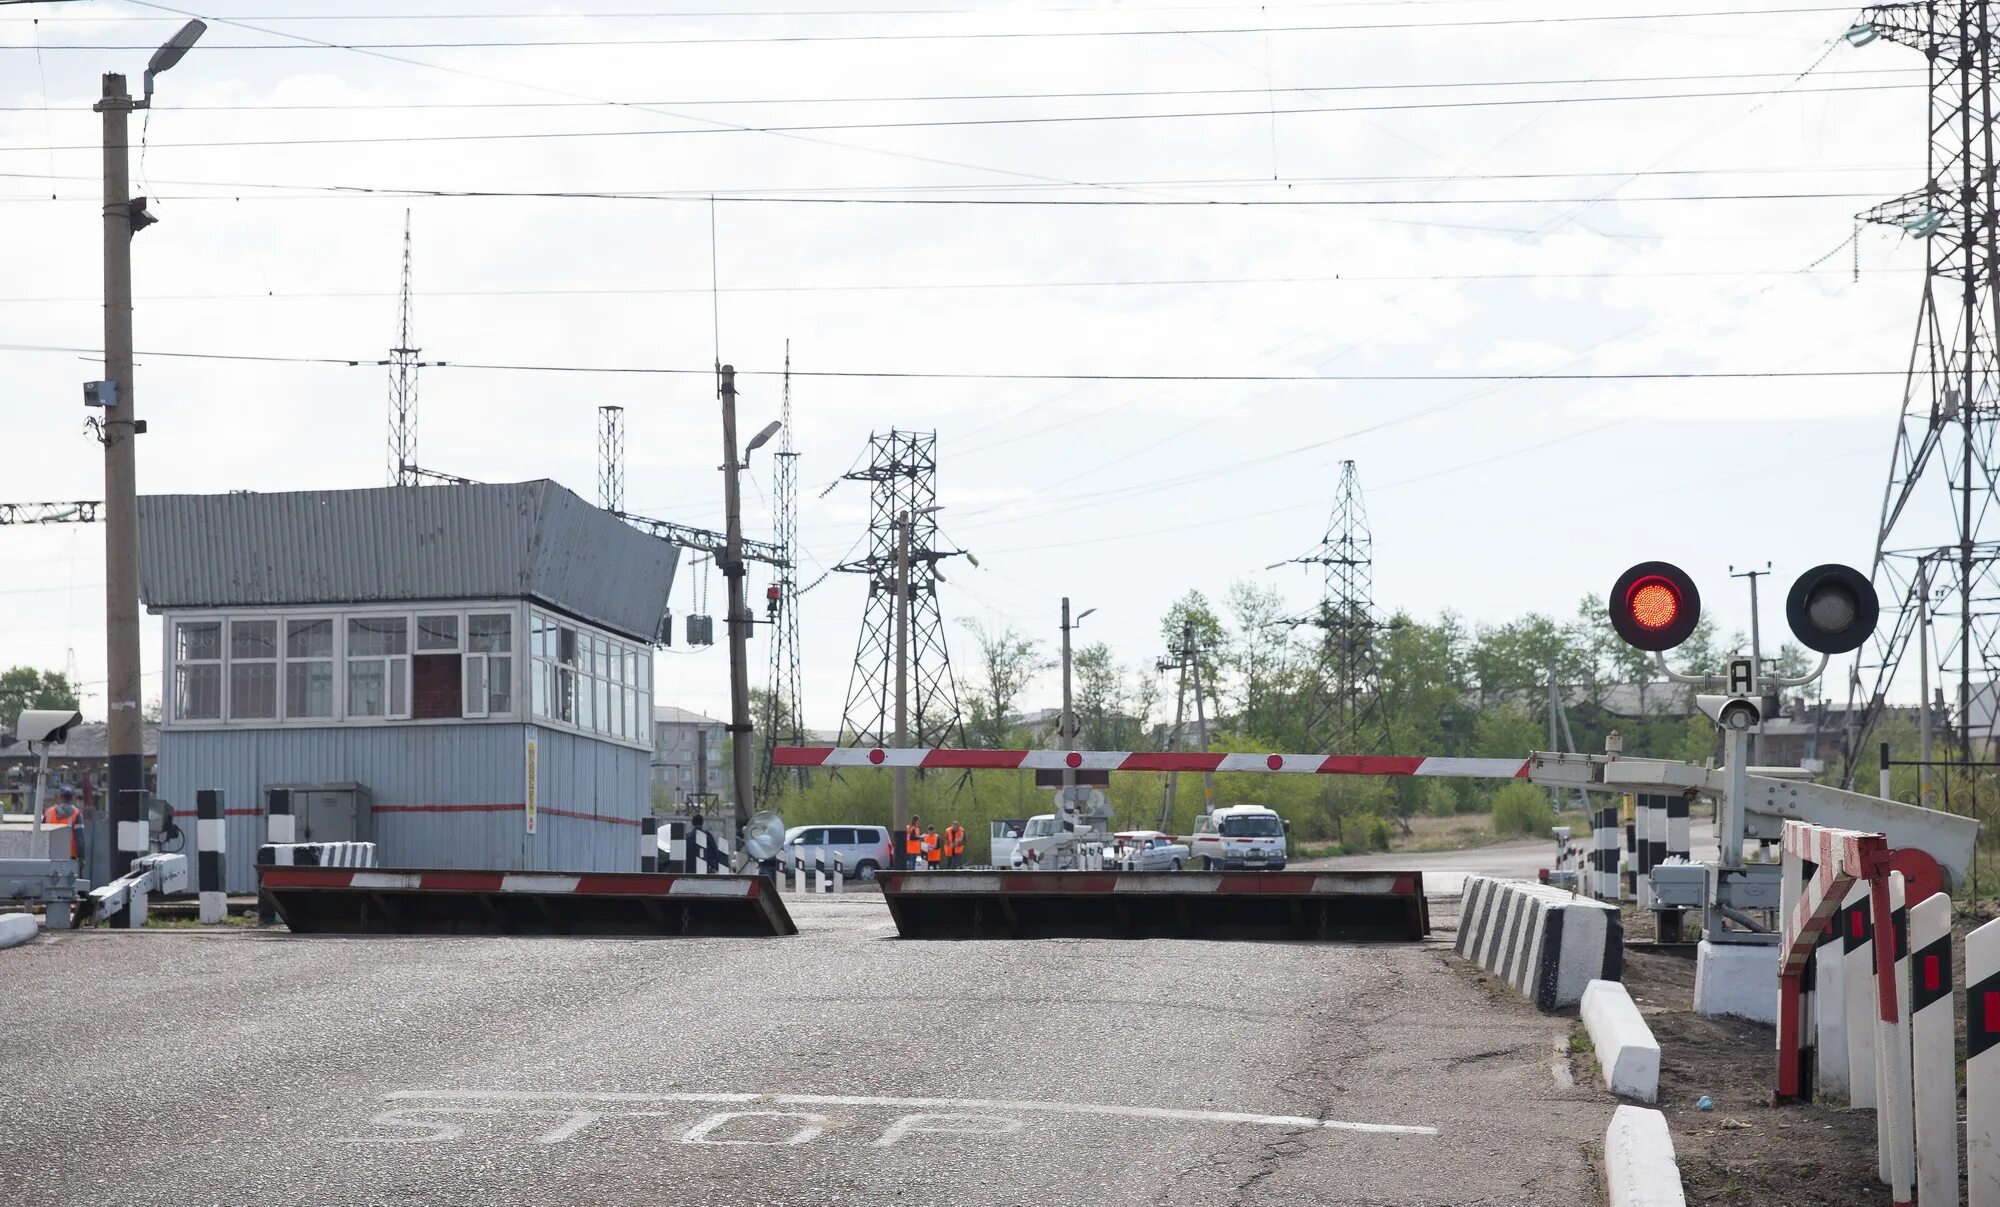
211	844
649	844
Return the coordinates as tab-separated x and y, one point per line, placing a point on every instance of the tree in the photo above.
24	687
1211	641
1008	661
1109	714
1259	654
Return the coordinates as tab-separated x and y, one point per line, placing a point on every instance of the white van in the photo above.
1240	836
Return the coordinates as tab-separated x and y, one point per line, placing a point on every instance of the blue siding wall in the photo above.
445	796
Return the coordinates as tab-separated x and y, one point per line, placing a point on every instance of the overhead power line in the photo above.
988	35
967	97
944	375
1264	113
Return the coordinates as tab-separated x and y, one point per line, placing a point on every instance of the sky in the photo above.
1574	284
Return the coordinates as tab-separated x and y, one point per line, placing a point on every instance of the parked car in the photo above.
1003	833
1148	851
863	850
1241	836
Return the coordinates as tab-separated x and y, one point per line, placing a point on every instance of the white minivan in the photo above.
1240	836
862	850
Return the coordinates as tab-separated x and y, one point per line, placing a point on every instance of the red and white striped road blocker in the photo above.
1821	863
318	900
1144	760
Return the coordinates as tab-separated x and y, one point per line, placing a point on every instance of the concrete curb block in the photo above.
1639	1164
1626	1049
16	929
1545	942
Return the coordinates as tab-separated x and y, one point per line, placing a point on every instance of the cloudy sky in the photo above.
1469	230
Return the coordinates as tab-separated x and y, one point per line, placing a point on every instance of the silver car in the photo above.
1147	851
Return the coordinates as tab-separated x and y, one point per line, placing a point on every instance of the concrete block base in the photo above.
1626	1049
16	929
1737	980
1639	1164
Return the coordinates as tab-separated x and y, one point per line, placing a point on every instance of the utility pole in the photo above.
124	215
1200	720
1756	660
121	503
741	756
1066	728
899	810
1174	736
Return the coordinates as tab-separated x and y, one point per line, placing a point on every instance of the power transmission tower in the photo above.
784	716
83	511
611	458
403	386
1342	713
1943	460
902	478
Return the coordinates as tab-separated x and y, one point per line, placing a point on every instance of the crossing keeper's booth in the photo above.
461	674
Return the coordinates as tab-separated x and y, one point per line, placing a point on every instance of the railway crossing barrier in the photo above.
211	845
1547	943
336	900
1343	905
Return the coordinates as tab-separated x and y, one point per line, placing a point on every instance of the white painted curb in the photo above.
1639	1164
16	929
1626	1049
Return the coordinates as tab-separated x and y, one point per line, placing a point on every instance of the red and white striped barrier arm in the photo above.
1145	760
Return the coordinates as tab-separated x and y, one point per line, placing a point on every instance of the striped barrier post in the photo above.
1982	1066
1631	886
1604	856
1895	1116
1933	1052
211	843
1858	963
798	870
1680	829
1829	1014
649	844
819	869
279	824
839	874
1546	943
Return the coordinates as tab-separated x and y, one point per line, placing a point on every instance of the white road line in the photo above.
994	1104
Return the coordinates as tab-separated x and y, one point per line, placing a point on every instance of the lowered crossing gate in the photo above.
377	901
1352	906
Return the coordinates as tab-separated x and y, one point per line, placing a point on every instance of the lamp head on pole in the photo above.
171	52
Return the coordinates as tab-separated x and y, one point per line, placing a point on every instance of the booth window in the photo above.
198	670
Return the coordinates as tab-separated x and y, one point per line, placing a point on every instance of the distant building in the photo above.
687	754
461	674
77	763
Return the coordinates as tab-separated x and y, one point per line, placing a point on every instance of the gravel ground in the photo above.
842	1066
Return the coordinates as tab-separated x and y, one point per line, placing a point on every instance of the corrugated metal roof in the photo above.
669	714
396	543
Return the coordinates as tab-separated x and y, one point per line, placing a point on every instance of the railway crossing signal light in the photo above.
1655	606
1832	609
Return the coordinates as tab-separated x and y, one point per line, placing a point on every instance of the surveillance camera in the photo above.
46	724
100	393
1731	712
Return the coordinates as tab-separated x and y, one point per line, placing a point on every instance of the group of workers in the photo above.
924	847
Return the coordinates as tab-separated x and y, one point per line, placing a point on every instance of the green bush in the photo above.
1377	832
1522	808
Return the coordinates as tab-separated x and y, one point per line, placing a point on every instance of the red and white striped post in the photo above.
1857	934
1895	1111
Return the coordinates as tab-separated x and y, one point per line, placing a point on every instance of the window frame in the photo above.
337	660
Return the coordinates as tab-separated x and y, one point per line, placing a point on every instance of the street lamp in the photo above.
1068	725
123	216
762	438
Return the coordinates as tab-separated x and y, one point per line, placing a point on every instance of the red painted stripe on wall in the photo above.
521	808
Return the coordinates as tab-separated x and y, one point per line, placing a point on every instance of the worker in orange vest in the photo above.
933	847
913	843
954	845
64	815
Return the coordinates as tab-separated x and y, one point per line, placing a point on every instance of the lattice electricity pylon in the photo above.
902	477
1343	711
611	458
83	511
1943	458
403	385
783	722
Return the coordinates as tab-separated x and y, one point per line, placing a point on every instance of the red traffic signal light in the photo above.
1832	609
1655	606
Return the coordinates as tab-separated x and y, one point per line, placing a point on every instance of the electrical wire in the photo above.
990	35
964	122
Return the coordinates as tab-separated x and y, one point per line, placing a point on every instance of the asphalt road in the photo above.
1445	871
841	1066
